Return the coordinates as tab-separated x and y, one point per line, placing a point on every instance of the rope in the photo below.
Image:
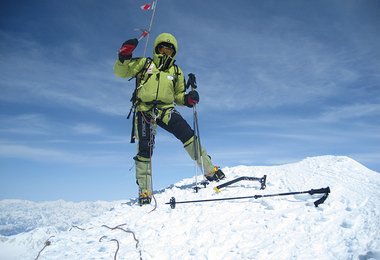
83	229
154	118
127	231
47	243
117	242
152	123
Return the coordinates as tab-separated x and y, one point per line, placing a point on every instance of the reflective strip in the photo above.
190	141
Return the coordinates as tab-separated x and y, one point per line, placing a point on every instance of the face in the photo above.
165	50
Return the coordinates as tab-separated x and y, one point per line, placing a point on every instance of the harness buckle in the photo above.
156	113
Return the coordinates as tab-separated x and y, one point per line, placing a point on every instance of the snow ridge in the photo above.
346	226
18	216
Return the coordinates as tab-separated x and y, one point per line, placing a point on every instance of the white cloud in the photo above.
353	111
50	155
49	76
270	63
86	129
25	124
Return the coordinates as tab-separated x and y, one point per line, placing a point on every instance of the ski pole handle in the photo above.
324	191
321	200
320	191
191	82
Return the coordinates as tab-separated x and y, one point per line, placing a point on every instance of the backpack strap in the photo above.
140	75
176	73
143	70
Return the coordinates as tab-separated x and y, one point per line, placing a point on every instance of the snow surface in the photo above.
346	226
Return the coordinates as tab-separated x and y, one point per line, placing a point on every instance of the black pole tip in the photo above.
196	188
172	203
263	181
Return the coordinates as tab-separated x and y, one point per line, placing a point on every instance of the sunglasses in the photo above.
168	51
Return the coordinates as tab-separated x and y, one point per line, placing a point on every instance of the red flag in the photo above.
146	7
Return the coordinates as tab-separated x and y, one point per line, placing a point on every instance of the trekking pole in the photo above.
191	82
324	191
144	33
195	150
150	25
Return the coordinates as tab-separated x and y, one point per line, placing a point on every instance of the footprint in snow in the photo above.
348	208
370	255
267	205
346	224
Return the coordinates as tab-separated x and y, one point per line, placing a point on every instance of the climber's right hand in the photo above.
125	52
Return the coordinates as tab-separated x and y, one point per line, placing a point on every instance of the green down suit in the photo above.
161	86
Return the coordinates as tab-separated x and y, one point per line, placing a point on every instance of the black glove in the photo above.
125	52
191	98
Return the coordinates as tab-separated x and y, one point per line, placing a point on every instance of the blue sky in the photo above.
279	81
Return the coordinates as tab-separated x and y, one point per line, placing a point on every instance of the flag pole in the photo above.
150	26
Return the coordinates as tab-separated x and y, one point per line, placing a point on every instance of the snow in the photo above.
346	226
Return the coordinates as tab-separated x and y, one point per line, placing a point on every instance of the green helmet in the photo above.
162	61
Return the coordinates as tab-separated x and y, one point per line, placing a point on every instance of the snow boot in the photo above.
215	175
145	198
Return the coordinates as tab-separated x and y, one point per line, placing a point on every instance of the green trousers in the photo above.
143	170
192	148
172	121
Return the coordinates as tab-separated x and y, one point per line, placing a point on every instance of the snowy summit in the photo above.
345	226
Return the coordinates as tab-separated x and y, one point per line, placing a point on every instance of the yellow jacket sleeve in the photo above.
128	68
179	89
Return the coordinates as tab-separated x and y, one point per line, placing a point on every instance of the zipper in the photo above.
158	86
